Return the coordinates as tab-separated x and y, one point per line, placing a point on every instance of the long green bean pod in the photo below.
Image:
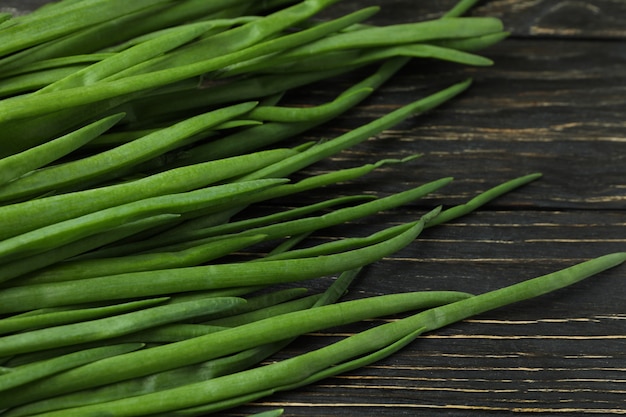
187	374
359	134
63	207
42	27
124	286
132	56
271	133
112	163
68	231
19	108
22	375
225	342
13	167
56	318
306	224
299	368
109	327
89	268
14	269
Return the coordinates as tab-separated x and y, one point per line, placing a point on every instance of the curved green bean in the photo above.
25	374
56	318
58	234
19	108
247	224
15	166
89	268
63	207
223	343
299	368
270	133
112	163
134	55
225	212
20	267
124	286
482	199
343	244
109	327
399	34
309	224
359	134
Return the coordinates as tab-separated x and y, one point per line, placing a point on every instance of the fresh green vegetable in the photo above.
307	367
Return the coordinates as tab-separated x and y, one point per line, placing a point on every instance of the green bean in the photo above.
266	312
308	224
460	8
401	34
185	375
161	381
258	302
64	207
15	166
341	245
359	134
299	368
225	342
251	34
158	106
482	199
474	43
270	133
82	269
336	369
14	269
19	108
214	26
132	56
225	212
191	228
111	164
109	327
57	63
260	332
170	333
302	114
330	60
28	83
124	286
16	377
86	40
58	234
49	26
55	318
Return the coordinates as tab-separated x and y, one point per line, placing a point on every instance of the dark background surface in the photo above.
554	102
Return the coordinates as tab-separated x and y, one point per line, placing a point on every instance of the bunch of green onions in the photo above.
134	139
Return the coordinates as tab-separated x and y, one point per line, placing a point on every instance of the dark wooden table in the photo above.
554	102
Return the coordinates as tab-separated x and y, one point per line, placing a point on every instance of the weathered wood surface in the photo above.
554	102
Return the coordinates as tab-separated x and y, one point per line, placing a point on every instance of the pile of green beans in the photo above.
137	141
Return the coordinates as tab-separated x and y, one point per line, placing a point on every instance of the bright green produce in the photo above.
308	367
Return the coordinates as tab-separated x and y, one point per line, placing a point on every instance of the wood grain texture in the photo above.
554	102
